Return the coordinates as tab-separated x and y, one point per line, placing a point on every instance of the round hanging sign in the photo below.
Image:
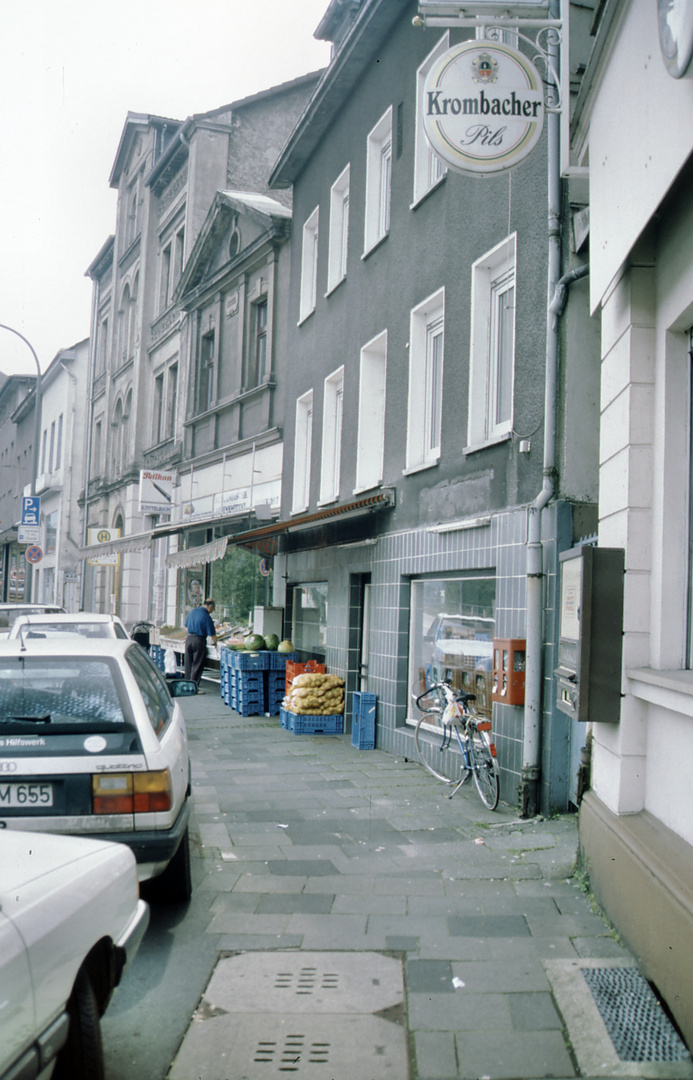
483	108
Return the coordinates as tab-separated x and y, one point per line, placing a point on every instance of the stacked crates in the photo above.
242	681
253	682
157	654
363	720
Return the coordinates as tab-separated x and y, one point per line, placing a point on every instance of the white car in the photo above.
10	612
92	743
60	625
70	921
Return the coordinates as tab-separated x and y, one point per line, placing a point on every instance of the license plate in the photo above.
25	795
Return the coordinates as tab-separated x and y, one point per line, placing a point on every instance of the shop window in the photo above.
451	636
309	618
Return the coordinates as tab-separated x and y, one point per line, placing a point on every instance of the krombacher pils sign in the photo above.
483	108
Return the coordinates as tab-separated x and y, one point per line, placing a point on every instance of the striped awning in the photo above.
198	556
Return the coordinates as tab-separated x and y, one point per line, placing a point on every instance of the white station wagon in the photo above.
70	921
93	744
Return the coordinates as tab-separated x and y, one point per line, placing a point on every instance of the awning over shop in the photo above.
197	556
135	542
266	538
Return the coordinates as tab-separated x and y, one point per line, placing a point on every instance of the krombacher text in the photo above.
481	105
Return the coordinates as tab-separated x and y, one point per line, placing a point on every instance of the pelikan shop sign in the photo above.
483	107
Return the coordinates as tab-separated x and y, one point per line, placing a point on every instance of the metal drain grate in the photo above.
307	980
295	1051
637	1025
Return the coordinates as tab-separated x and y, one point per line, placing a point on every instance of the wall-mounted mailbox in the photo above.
509	663
588	676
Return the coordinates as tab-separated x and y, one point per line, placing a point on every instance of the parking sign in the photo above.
31	509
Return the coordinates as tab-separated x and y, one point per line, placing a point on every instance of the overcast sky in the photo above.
70	71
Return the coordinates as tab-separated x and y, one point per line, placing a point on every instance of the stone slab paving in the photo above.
313	849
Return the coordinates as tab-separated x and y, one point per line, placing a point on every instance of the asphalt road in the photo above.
151	1009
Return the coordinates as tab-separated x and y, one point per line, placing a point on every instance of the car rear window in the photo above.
9	614
53	630
46	695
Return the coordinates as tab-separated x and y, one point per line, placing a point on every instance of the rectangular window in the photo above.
309	266
426	354
370	445
171	402
165	281
257	366
43	450
303	438
59	443
451	632
205	385
101	347
492	349
339	231
178	257
51	452
333	403
428	167
378	182
309	617
158	404
96	449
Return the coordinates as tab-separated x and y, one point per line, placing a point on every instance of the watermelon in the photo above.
254	642
285	646
271	642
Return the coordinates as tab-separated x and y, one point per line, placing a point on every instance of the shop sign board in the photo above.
483	108
156	491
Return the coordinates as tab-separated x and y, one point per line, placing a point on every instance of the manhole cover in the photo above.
269	1014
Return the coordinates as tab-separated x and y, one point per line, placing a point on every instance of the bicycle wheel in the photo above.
486	772
434	744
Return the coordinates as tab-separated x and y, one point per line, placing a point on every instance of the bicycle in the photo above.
448	711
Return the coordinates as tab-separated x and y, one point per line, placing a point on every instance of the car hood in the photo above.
25	857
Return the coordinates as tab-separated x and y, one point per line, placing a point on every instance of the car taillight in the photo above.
131	793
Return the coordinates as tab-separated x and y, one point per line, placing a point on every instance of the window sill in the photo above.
475	447
333	288
304	318
671	690
420	468
368	487
332	501
375	245
429	191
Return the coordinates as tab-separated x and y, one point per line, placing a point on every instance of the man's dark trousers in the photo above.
195	656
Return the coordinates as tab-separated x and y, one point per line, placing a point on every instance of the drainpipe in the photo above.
528	790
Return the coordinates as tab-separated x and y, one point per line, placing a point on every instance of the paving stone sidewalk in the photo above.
317	849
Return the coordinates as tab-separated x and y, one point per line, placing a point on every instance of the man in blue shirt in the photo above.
199	626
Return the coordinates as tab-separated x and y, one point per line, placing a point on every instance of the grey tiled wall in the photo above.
396	558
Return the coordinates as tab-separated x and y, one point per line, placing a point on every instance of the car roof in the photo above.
62	617
65	646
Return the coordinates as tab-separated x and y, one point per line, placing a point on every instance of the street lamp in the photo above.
37	404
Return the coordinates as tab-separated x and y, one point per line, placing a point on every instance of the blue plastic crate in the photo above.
311	725
276	680
247	680
250	708
363	720
277	660
249	661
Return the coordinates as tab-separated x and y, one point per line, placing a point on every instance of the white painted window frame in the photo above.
424	414
309	265
303	439
429	169
370	446
332	416
339	230
378	182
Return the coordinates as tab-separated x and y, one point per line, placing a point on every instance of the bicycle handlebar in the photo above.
459	695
